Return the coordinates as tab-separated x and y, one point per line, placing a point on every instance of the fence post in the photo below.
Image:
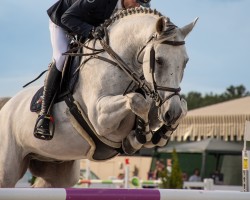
246	158
208	183
126	177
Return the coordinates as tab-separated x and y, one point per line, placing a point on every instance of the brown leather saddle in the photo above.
69	79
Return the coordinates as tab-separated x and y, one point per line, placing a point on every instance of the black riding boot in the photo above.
51	85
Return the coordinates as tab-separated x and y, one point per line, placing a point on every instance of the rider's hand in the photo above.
98	32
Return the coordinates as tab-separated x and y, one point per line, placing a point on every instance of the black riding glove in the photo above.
98	32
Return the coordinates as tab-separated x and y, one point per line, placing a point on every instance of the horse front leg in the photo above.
162	136
141	134
114	112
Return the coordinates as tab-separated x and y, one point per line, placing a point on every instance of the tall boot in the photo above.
51	86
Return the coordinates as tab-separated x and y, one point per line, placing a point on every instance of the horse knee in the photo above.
107	123
138	104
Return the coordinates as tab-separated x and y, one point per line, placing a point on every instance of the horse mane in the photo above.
127	12
171	28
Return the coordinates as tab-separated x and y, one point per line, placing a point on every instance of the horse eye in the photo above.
159	61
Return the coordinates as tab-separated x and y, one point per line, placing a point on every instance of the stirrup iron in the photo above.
42	127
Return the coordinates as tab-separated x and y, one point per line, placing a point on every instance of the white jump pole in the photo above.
246	159
115	194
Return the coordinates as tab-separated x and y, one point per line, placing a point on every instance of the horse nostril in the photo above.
167	117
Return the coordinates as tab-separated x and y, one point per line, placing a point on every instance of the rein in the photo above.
138	80
141	83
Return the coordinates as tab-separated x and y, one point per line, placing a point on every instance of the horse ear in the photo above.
188	28
161	24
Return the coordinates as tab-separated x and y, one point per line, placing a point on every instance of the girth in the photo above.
102	150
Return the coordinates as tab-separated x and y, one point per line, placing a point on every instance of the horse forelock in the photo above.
169	31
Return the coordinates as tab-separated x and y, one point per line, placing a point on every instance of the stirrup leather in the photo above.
42	127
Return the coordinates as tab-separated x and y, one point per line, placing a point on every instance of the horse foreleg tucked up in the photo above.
162	136
117	114
142	134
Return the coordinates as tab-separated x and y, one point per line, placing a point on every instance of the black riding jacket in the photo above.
80	16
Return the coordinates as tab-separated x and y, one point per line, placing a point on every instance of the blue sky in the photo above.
218	47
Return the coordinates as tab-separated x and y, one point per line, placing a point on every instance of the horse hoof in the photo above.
127	147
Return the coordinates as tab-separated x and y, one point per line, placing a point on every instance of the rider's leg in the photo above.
51	85
52	82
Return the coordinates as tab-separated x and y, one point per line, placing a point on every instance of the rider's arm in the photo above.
79	16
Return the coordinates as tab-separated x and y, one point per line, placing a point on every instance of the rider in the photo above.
79	17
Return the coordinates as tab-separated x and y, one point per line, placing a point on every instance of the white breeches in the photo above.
59	43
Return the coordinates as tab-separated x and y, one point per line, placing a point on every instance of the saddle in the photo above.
69	79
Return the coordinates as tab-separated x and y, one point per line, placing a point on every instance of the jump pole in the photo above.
116	194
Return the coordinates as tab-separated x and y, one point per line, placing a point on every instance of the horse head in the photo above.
164	59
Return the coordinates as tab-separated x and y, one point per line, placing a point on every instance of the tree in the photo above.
176	181
197	100
193	99
172	179
233	92
165	178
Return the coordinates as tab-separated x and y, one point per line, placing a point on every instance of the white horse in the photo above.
150	46
3	101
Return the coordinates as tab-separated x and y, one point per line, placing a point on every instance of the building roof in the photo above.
239	106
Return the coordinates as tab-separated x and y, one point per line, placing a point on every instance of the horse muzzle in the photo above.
173	110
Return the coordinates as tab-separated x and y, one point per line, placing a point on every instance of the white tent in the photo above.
223	120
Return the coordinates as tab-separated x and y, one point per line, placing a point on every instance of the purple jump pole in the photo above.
118	194
112	194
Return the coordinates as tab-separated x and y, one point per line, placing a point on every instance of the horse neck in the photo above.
129	34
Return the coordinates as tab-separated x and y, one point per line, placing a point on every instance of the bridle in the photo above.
137	79
155	88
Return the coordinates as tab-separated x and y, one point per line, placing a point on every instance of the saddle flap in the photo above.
69	79
36	102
